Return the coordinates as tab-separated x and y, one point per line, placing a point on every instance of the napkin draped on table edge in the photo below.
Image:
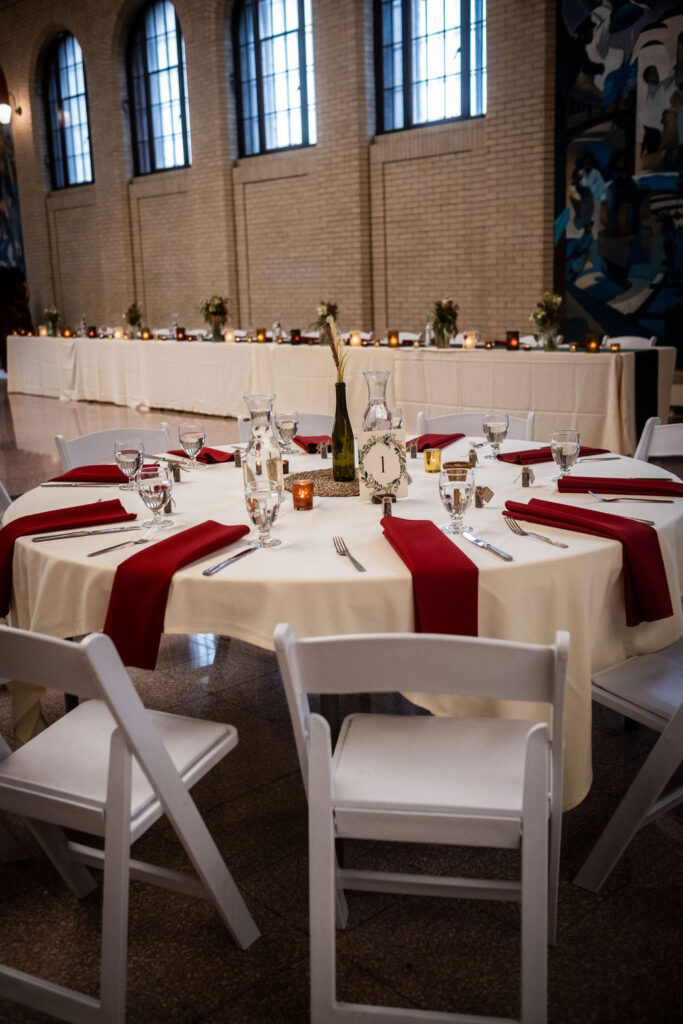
617	485
97	513
209	456
435	440
137	603
445	580
96	474
310	443
534	455
646	588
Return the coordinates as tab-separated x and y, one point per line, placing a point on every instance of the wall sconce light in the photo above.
8	102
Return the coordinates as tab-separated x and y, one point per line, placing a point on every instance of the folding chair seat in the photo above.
648	689
483	782
521	428
109	768
90	449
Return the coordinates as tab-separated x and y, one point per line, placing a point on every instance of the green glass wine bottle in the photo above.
343	463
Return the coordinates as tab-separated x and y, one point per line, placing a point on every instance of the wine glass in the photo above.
495	426
286	428
155	489
456	487
129	456
192	437
263	498
564	444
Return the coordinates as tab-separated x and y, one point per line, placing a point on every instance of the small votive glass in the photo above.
615	346
302	495
432	458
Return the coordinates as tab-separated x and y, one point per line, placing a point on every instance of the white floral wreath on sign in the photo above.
368	479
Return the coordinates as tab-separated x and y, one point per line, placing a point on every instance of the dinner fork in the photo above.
516	528
341	549
654	501
150	535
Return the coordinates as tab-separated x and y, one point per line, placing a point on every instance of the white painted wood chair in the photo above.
487	782
648	689
311	424
110	768
91	449
629	341
521	428
659	440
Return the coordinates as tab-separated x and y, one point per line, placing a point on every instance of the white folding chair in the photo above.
648	689
490	782
110	768
5	500
311	424
629	341
659	440
98	447
521	428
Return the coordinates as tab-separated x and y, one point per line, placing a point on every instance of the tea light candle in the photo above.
229	335
376	343
259	467
527	348
42	331
92	332
180	334
573	346
468	341
285	466
432	460
260	335
145	335
512	339
354	340
393	339
592	345
488	344
295	336
615	347
67	332
302	495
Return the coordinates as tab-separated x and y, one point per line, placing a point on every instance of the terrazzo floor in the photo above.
619	953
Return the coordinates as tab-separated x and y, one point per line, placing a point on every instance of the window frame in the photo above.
238	11
138	27
50	68
409	123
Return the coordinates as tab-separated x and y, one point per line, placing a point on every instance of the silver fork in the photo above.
653	501
150	535
341	549
516	528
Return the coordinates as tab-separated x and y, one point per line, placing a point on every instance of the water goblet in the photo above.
192	437
564	445
129	456
495	426
263	498
456	488
155	488
286	428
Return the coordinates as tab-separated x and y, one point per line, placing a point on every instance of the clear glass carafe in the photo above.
377	415
263	458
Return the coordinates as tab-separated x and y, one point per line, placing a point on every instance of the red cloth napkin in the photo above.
615	485
96	514
445	580
310	444
95	475
436	440
137	604
646	589
544	454
208	455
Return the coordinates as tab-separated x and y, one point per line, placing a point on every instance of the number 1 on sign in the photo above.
382	458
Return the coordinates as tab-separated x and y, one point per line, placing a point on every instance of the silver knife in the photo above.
489	547
84	533
228	561
78	483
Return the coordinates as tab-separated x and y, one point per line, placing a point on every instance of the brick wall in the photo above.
382	225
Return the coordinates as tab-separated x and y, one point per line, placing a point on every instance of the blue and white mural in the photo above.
11	244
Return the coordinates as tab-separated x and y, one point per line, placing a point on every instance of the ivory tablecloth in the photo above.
59	591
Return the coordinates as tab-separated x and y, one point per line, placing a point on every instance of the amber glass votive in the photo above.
432	460
488	344
302	494
615	347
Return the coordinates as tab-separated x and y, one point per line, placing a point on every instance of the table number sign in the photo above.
382	467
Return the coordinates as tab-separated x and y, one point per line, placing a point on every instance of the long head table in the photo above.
594	393
60	591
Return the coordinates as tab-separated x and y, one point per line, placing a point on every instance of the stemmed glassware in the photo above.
565	447
286	428
495	426
155	489
456	488
192	437
263	498
129	456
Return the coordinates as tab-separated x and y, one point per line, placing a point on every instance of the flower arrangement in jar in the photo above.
444	322
546	317
215	312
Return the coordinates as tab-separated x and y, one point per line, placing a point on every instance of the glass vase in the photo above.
262	459
442	337
343	458
377	415
549	339
216	328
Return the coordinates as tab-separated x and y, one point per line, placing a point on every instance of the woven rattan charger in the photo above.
323	484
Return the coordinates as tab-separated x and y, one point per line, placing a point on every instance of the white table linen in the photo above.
59	591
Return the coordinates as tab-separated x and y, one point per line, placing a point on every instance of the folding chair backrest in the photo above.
99	446
630	341
521	428
5	500
311	424
660	440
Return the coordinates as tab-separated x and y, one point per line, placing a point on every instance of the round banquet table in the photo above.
58	590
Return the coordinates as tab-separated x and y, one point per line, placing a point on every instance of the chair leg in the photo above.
54	844
322	875
116	883
534	890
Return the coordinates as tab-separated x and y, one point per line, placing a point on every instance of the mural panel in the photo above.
11	244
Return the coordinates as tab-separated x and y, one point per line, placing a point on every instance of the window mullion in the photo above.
465	64
259	80
60	116
303	75
407	51
181	91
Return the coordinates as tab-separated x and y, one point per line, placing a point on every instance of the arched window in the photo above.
66	109
274	63
431	61
157	84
